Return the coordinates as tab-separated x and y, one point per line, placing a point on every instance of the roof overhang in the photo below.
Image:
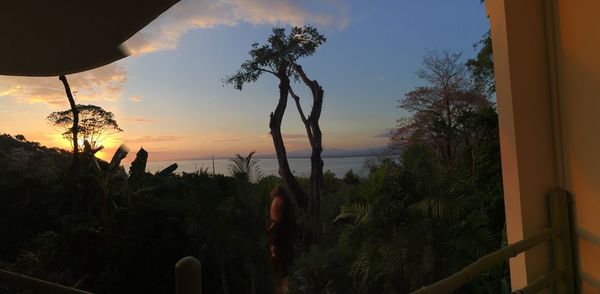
51	38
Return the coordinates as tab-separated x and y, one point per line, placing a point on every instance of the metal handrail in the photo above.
559	235
24	282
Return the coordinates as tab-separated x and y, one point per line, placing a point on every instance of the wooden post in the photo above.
188	276
561	243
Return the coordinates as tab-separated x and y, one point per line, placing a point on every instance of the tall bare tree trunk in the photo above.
313	131
75	112
275	126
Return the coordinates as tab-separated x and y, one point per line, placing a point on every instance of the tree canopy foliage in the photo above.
280	53
95	124
482	65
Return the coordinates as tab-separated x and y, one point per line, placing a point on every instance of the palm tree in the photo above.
245	168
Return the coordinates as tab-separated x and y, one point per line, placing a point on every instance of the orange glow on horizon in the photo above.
110	145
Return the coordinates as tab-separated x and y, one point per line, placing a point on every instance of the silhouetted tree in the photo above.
438	110
351	178
21	138
94	124
279	57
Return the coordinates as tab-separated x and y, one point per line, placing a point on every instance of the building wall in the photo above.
578	63
547	61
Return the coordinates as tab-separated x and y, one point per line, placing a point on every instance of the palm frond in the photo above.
245	167
361	267
359	212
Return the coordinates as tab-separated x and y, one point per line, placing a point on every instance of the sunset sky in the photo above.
168	96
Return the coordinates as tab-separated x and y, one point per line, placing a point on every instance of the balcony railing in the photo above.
188	280
560	277
23	282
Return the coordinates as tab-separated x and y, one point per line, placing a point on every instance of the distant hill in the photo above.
8	144
22	160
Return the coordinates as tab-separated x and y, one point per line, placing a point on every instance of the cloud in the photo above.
165	32
140	120
136	98
104	83
155	139
227	140
225	137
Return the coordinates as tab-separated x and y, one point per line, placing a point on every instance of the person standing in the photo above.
282	232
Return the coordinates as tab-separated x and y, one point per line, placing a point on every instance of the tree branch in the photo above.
303	75
307	124
297	99
317	93
267	71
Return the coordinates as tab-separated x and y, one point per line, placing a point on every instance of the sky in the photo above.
168	95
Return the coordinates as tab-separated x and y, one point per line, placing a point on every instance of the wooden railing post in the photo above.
188	276
561	243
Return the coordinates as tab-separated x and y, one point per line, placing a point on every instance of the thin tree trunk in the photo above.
449	158
75	112
316	187
275	126
314	134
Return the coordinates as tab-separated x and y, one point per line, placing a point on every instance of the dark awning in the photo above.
57	37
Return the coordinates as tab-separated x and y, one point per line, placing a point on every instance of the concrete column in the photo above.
529	166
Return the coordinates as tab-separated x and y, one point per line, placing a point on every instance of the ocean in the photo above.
300	166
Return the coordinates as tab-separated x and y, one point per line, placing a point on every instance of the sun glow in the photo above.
109	143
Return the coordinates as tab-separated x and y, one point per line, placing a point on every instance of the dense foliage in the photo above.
438	208
131	244
482	66
409	223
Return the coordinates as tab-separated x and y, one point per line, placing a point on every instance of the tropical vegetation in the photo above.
414	219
